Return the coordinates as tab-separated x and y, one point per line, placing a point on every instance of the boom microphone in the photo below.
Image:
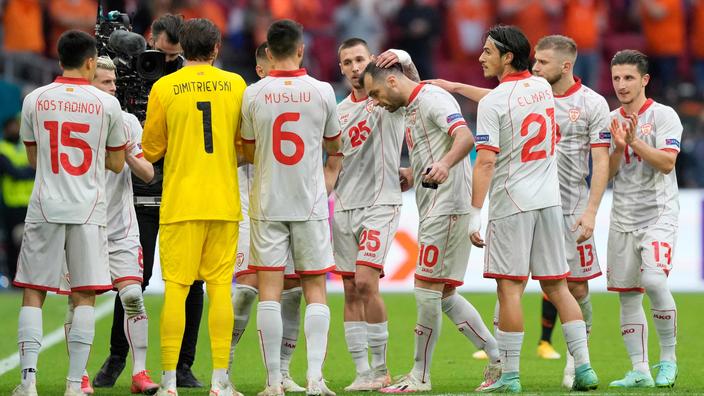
128	43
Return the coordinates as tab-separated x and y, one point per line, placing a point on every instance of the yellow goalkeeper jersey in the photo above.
193	121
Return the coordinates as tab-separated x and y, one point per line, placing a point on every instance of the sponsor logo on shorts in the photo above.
454	117
605	135
481	138
672	142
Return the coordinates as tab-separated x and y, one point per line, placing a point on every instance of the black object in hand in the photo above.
434	186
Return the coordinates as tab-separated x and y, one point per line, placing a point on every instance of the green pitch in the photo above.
453	371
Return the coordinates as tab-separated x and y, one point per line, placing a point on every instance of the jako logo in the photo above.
630	330
662	317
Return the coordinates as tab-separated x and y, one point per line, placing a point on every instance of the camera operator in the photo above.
164	38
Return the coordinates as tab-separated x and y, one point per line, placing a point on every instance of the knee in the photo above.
366	288
653	281
579	290
132	300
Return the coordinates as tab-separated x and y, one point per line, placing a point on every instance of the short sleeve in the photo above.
26	125
246	128
332	123
134	131
117	138
445	113
668	133
599	134
488	126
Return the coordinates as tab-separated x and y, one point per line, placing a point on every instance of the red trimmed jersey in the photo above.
517	121
371	145
286	115
582	120
122	220
72	124
432	117
643	195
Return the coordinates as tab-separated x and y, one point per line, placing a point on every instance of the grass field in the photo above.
453	371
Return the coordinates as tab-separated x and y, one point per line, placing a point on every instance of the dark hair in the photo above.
74	47
352	42
284	36
198	39
377	72
260	52
631	57
511	39
169	24
558	42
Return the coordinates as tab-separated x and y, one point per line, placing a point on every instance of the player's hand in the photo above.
444	84
618	134
405	177
387	59
438	173
475	225
586	222
630	127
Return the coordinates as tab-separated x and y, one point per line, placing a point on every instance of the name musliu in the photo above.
287	97
535	97
69	106
202	86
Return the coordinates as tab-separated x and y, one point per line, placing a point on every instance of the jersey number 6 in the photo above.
279	135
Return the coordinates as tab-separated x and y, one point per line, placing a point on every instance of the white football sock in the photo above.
378	338
664	312
29	340
634	329
427	331
270	329
585	305
80	340
136	325
316	326
357	339
242	299
220	376
468	321
576	338
291	318
510	344
168	379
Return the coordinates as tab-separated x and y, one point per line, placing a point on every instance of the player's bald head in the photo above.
376	73
563	46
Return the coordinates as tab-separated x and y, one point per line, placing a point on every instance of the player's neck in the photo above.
359	94
563	85
507	70
198	63
406	89
75	73
635	105
286	64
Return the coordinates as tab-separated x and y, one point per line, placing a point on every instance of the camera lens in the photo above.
150	65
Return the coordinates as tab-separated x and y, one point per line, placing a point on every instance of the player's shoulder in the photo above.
324	87
129	118
104	97
430	91
231	76
664	112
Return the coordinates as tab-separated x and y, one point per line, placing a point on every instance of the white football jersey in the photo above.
432	116
582	119
643	195
517	121
245	177
288	113
72	124
371	145
122	219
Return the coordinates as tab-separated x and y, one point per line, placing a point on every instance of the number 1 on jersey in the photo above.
207	125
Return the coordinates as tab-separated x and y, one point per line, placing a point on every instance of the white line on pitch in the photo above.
11	362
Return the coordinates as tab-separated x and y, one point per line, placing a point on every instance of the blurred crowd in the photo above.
444	37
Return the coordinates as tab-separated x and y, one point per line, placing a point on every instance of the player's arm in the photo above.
662	160
462	144
470	92
115	160
393	56
332	168
154	139
618	137
141	168
600	179
31	154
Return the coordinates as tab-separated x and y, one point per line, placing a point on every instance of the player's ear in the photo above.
508	58
268	54
260	71
300	50
391	81
646	79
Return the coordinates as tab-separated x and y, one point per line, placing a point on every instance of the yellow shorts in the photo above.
198	249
